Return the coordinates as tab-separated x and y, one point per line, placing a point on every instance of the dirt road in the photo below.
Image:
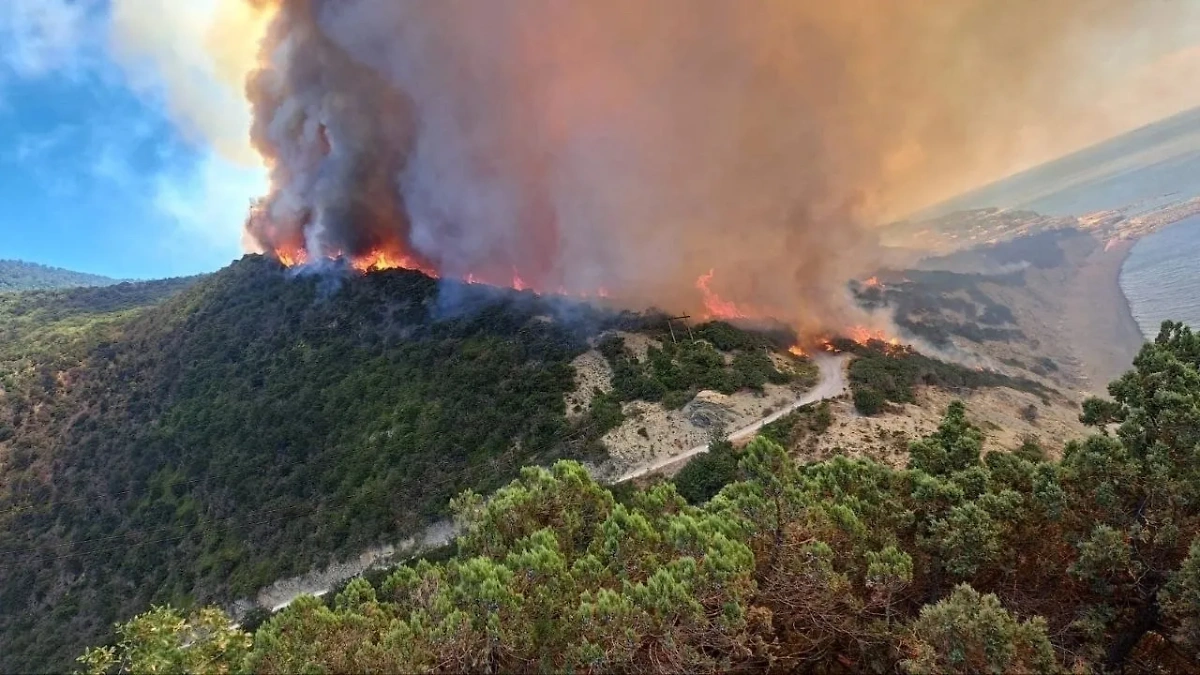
318	582
831	385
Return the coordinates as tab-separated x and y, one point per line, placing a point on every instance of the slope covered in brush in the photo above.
262	422
958	563
16	275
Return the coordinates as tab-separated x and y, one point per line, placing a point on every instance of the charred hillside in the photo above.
192	441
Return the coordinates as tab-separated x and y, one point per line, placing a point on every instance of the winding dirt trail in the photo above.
280	594
831	385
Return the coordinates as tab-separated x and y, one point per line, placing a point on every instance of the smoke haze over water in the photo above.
633	146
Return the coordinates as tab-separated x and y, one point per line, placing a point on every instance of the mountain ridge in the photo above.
19	275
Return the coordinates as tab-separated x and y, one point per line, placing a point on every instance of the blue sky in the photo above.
94	174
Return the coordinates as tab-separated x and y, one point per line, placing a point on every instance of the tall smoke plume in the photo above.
634	146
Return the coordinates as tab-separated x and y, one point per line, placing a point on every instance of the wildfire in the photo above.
860	335
517	282
714	305
873	282
291	258
375	261
863	335
379	260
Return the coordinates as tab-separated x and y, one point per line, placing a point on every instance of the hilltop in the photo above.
194	440
16	275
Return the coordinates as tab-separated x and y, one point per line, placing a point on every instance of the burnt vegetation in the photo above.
937	305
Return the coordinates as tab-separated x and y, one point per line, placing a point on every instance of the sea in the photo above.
1161	277
1146	168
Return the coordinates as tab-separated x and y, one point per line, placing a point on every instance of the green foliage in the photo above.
972	633
881	373
16	275
225	432
1088	565
803	423
1031	450
163	641
1181	601
674	373
616	588
869	400
705	474
953	447
931	305
728	338
191	441
256	424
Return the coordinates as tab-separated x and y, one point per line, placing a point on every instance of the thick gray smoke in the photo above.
632	145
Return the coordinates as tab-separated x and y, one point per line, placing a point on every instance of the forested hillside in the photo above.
958	563
16	275
259	422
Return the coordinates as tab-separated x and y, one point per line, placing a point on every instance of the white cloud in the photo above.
207	203
43	37
163	52
194	56
35	147
190	59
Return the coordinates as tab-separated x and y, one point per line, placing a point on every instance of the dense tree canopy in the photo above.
192	441
16	275
958	563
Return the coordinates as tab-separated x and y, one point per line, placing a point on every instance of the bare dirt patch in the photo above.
592	372
1002	413
651	432
638	344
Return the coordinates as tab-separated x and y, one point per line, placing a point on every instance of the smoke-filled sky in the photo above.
621	144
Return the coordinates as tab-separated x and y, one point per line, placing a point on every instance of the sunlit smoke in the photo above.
200	52
638	147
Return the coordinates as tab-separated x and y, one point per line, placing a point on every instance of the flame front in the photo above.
291	257
863	335
714	305
380	260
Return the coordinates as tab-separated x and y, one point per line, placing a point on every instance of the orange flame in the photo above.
714	305
863	335
517	282
797	351
379	260
873	282
291	258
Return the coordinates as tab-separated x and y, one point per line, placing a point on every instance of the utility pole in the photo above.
671	327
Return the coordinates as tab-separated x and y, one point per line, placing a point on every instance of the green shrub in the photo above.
705	474
869	401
